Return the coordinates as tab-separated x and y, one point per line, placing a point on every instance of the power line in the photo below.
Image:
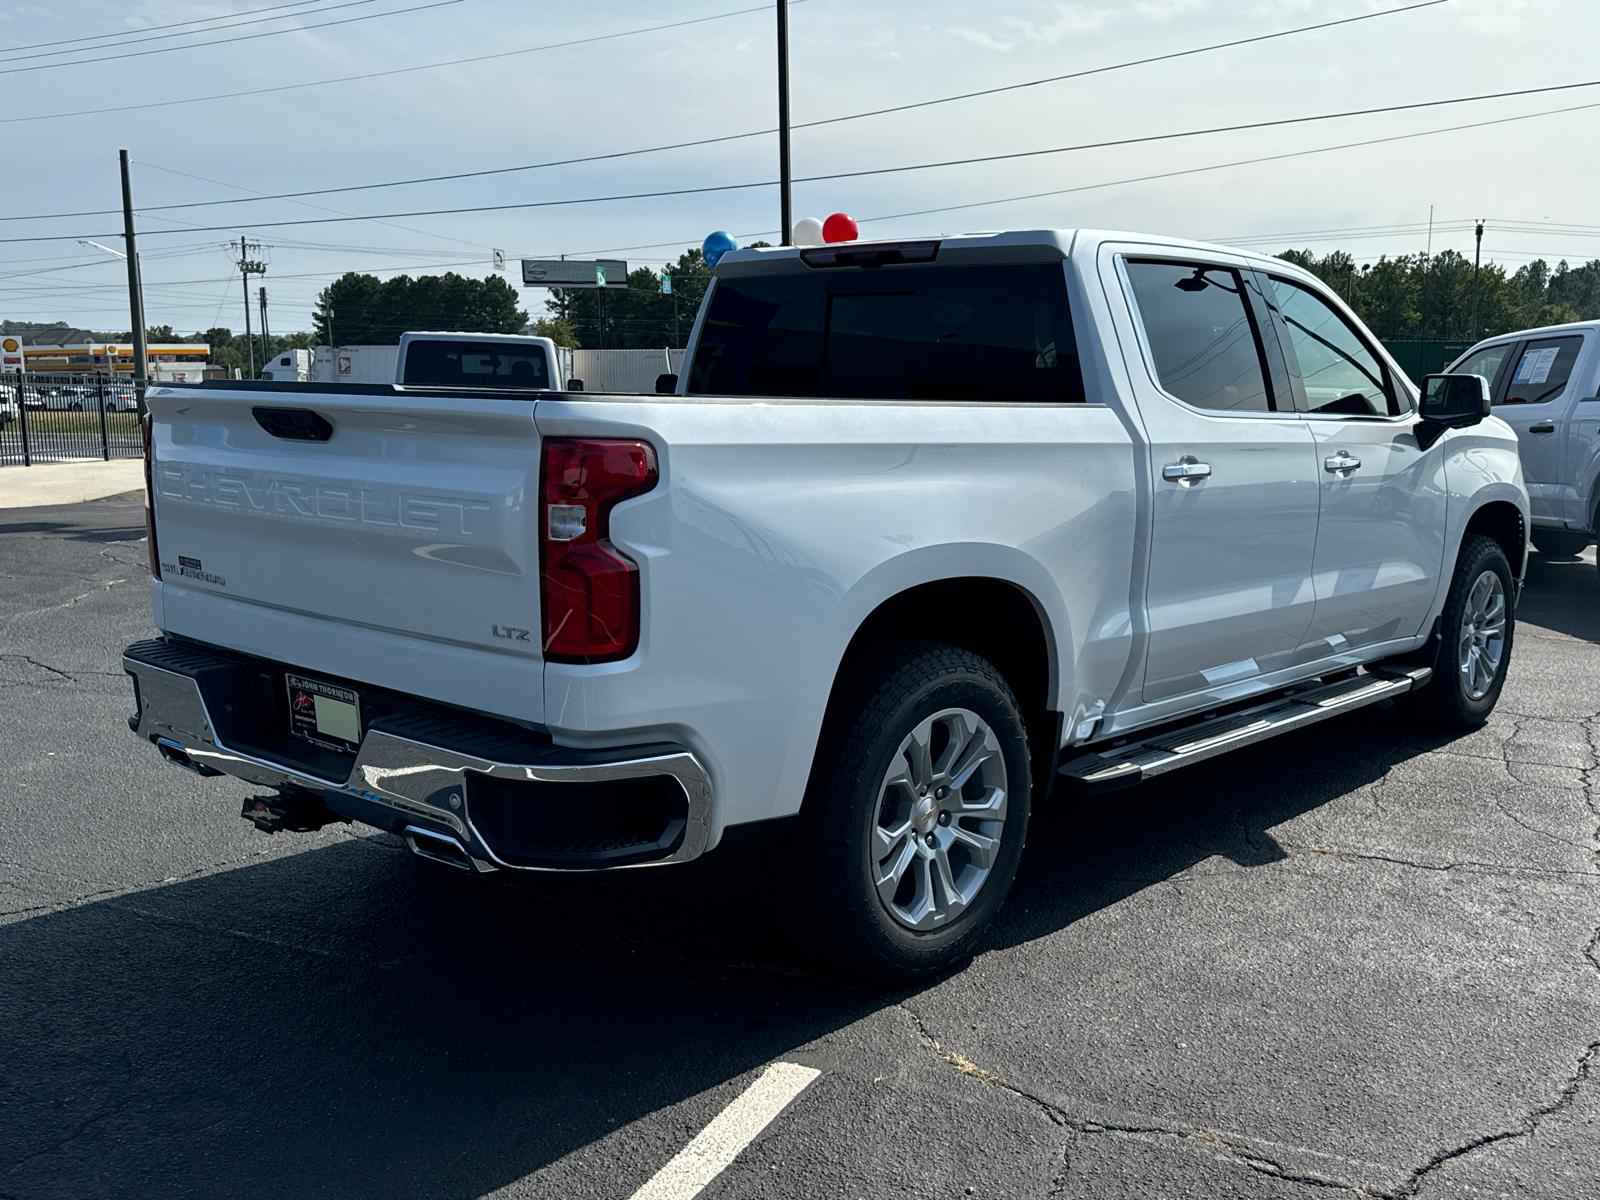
958	162
162	37
454	62
1275	122
1245	162
244	37
100	37
613	155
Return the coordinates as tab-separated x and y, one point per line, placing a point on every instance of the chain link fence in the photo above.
68	417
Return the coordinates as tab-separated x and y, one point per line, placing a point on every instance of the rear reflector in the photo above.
591	589
149	498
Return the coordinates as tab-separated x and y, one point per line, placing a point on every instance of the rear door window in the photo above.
476	364
913	332
1340	372
1202	335
1487	362
1542	369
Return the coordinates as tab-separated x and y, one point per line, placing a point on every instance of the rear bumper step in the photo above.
475	799
1127	765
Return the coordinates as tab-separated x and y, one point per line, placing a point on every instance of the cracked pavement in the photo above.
1352	961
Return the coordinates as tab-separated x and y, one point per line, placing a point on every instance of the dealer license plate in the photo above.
324	714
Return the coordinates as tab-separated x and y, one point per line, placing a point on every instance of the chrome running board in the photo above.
1134	761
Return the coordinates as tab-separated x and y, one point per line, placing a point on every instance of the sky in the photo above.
557	79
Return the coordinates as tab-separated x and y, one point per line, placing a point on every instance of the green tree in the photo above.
358	309
643	316
558	331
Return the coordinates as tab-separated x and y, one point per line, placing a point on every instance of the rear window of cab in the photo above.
908	332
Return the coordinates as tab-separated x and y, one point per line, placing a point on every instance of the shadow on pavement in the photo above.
1562	594
352	1022
114	519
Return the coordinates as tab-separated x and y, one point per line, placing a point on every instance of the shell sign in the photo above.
11	359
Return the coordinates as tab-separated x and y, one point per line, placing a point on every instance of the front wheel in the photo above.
916	812
1474	646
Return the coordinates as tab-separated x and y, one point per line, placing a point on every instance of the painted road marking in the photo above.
734	1128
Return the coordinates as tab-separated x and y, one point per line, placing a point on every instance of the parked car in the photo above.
927	529
1544	384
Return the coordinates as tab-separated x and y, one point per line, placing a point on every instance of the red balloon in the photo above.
841	227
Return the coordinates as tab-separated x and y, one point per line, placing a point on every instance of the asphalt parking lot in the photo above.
1349	961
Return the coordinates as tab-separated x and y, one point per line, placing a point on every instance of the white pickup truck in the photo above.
927	529
1544	384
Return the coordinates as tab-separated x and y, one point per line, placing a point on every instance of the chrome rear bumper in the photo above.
421	782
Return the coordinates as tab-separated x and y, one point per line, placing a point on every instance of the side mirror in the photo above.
1455	400
1451	402
574	385
666	385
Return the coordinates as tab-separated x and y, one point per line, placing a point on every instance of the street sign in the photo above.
666	283
574	272
499	260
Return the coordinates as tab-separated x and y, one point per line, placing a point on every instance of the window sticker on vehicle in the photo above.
1535	365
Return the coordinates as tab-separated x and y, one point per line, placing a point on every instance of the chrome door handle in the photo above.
1185	471
1341	463
1541	428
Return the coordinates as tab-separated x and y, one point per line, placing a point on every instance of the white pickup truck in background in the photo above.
927	528
1544	384
440	359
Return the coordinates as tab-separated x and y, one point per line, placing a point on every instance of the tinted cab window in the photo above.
1202	335
1339	371
904	332
476	364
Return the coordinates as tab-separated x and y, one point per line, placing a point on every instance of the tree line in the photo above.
1418	297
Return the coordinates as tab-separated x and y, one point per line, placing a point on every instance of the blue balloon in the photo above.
718	244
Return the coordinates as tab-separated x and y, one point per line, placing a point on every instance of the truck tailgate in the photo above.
402	551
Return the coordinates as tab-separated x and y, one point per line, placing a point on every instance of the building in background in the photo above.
178	362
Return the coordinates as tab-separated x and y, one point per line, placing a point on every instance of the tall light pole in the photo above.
141	354
787	221
1477	261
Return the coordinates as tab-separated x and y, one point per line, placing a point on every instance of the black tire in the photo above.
1560	543
1449	702
844	921
75	406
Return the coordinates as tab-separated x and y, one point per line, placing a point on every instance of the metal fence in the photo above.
63	418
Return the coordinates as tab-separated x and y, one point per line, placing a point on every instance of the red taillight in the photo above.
591	590
149	498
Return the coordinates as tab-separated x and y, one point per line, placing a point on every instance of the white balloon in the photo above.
808	232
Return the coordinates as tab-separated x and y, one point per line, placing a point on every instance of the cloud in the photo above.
1074	21
978	38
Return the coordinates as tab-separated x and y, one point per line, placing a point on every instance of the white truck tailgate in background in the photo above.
403	552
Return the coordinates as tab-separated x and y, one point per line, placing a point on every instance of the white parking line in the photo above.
734	1128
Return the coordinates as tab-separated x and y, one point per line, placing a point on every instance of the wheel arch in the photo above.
995	618
1503	521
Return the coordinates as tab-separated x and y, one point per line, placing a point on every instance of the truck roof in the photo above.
1008	246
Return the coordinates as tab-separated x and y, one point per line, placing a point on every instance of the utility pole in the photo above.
266	338
783	120
248	267
1477	261
141	356
1427	273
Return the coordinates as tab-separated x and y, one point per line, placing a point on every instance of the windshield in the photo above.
476	364
933	332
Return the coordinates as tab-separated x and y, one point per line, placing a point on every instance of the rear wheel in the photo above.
1474	646
1560	543
916	812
